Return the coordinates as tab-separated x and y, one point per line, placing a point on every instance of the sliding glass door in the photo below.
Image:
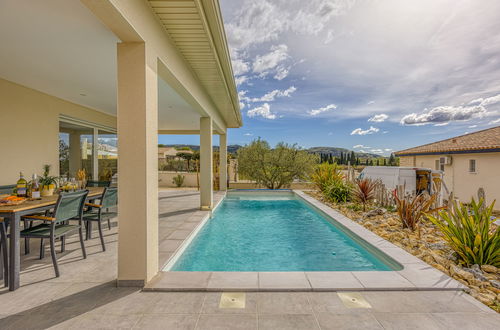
87	147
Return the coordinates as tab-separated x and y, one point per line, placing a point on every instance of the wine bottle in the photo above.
35	188
22	186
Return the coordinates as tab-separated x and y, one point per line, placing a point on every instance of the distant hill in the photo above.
230	148
334	151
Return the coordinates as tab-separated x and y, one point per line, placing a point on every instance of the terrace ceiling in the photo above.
195	27
65	51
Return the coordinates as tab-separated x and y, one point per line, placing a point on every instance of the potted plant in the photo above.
47	183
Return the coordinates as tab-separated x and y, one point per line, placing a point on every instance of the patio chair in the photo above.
100	212
4	261
94	183
7	189
69	206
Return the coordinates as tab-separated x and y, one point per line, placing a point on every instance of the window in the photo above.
439	165
88	146
472	166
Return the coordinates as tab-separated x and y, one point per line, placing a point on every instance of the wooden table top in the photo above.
45	201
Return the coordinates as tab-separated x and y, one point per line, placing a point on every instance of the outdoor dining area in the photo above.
71	209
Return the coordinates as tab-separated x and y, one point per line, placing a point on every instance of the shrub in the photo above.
411	208
274	167
326	174
338	191
364	191
469	232
178	180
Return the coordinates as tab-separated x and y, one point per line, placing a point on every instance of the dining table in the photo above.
13	214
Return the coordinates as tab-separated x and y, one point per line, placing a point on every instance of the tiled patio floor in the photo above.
85	297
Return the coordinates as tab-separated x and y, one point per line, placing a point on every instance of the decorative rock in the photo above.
476	271
489	269
454	270
485	299
495	284
441	268
375	212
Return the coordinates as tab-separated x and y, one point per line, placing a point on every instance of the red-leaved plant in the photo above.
364	191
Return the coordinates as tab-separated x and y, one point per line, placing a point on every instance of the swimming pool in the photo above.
276	231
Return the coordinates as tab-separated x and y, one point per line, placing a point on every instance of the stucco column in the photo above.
95	154
206	173
223	162
75	154
137	165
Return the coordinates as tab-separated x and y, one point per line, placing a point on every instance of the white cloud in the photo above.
370	102
359	131
442	124
282	72
274	94
242	105
487	101
240	67
271	62
263	111
377	151
472	126
248	134
316	112
379	118
496	121
240	80
444	114
242	96
360	146
387	149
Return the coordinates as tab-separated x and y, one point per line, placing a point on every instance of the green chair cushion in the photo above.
44	230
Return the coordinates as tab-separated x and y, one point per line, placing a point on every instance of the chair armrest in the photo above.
93	205
38	217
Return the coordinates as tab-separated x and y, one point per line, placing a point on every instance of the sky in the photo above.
372	75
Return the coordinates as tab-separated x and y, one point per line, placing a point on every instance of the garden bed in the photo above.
483	282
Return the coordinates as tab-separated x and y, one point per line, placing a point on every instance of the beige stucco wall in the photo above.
165	179
29	129
457	176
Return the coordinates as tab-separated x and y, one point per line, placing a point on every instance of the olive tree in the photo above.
274	168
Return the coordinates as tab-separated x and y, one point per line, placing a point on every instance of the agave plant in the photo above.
469	232
411	208
364	191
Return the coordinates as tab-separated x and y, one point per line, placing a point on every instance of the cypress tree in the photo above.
392	160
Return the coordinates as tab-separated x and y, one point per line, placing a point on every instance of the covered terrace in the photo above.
83	73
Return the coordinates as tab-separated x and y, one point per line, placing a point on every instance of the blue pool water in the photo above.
274	232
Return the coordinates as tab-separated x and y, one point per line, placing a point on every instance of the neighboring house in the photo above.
469	162
170	152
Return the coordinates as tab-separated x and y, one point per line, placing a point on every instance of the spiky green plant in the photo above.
469	232
338	191
178	180
325	175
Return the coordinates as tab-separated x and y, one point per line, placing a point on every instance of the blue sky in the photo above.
366	75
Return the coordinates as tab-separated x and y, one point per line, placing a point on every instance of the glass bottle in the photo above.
22	186
35	187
